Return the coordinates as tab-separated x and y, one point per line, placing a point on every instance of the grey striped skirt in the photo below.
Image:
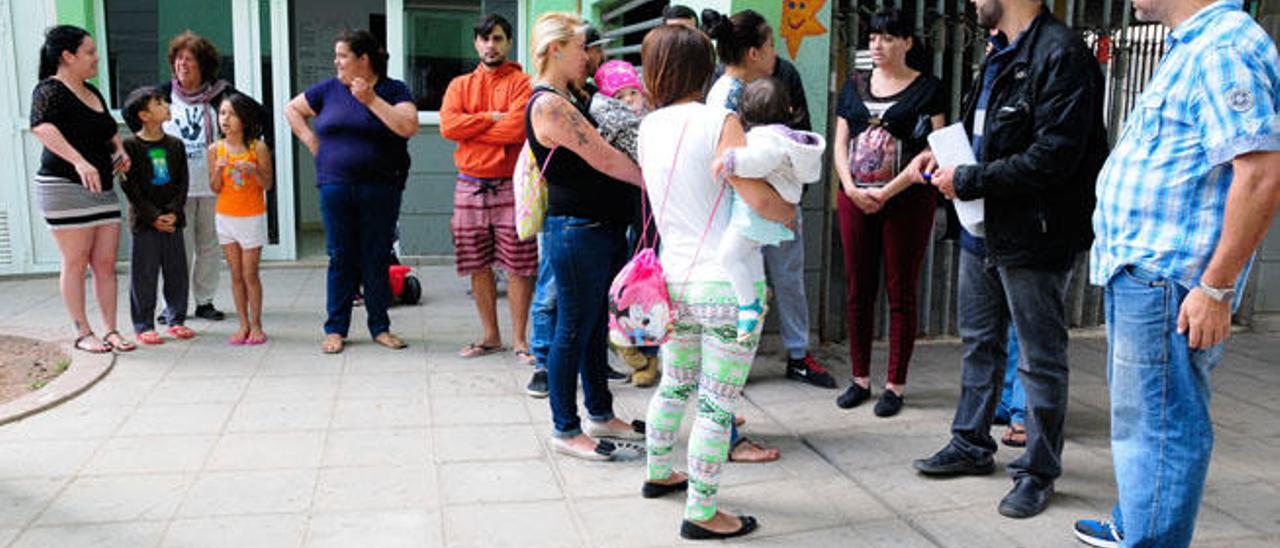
68	204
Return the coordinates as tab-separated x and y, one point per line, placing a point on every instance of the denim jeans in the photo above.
585	255
785	265
543	313
1035	301
1013	401
1161	433
359	227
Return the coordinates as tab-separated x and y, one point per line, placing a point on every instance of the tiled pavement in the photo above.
203	444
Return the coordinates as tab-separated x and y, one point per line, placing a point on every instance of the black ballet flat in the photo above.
690	531
653	490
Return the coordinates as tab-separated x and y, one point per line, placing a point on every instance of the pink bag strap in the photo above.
724	185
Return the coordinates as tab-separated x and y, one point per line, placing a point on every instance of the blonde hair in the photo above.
557	27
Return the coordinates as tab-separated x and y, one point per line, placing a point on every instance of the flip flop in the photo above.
525	357
339	344
122	344
233	340
181	332
387	339
254	341
1015	436
747	441
101	348
150	337
475	350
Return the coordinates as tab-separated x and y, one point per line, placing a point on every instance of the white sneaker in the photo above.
602	430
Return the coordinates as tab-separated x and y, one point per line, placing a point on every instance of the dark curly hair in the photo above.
202	49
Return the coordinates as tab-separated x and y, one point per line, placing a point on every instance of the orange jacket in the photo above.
486	149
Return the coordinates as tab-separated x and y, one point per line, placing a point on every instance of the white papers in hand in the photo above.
951	148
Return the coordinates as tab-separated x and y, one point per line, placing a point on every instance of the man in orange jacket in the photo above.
484	112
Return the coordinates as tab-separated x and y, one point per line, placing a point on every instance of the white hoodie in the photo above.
787	158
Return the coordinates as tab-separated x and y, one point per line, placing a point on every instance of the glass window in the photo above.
439	46
138	34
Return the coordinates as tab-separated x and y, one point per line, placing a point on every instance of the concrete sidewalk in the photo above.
203	444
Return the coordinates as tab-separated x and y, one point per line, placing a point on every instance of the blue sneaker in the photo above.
1097	533
749	317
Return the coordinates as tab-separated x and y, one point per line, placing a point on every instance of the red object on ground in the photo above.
398	272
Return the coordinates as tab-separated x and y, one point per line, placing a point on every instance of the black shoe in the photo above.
653	490
161	320
1029	497
889	405
807	369
537	386
616	376
690	531
853	397
951	462
208	312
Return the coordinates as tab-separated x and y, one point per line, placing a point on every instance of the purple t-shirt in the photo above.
355	146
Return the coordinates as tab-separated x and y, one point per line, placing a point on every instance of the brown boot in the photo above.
632	356
644	378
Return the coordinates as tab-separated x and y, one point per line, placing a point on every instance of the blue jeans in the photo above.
1161	433
585	255
1035	300
1013	401
543	313
359	227
785	264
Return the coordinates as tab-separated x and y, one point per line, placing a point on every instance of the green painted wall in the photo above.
75	12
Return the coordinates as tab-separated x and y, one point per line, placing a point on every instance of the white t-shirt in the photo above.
682	218
726	92
188	123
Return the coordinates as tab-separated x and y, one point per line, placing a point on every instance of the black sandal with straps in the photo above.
123	345
102	348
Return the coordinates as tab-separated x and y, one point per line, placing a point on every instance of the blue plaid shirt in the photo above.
1162	194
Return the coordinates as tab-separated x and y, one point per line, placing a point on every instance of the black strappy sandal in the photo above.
102	348
124	345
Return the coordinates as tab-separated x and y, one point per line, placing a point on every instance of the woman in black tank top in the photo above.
592	192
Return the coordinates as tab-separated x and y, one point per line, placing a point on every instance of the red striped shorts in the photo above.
484	229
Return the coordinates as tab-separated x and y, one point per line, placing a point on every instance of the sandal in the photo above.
390	341
101	348
525	357
254	340
181	332
475	350
122	344
772	452
150	337
333	344
1015	435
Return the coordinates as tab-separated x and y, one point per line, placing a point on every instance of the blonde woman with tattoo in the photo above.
592	196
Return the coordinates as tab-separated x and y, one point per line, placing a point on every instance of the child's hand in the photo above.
718	169
163	224
220	163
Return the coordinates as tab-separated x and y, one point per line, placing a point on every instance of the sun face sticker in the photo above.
800	19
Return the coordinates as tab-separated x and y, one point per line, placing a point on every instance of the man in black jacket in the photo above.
1035	118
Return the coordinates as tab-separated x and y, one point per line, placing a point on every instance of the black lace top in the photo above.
87	130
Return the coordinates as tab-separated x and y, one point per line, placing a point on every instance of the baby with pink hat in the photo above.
619	80
619	105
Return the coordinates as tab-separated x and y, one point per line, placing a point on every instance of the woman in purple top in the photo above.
362	125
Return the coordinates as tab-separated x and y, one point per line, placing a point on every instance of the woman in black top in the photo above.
592	196
882	125
73	187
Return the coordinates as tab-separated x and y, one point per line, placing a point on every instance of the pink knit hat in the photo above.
615	75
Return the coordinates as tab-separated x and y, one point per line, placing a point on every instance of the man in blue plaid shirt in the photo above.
1183	201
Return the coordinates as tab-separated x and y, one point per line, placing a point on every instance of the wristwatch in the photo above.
1220	294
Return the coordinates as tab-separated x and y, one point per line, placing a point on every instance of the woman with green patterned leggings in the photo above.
678	145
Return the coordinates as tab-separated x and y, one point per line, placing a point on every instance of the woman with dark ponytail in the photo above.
82	152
